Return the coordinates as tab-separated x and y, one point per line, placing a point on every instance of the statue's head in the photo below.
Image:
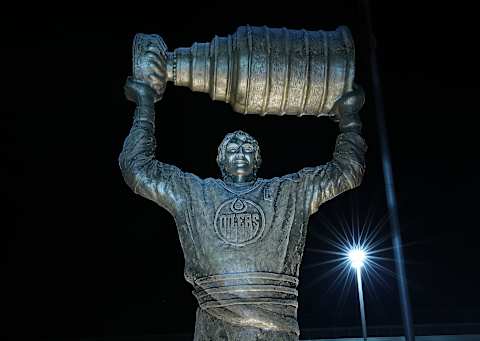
239	156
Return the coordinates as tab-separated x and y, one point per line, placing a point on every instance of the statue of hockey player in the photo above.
242	236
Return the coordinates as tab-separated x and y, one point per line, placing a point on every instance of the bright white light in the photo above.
353	246
357	258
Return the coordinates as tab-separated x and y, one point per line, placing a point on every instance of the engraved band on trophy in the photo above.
261	70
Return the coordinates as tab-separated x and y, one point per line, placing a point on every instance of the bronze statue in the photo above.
242	236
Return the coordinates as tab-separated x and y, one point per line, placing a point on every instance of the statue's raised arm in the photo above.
145	175
345	170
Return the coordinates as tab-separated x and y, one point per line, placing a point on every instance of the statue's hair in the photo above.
244	137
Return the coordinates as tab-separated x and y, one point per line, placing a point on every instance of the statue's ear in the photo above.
220	159
258	160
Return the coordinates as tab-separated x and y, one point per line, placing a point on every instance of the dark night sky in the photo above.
86	257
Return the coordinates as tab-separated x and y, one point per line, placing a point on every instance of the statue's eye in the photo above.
248	148
232	148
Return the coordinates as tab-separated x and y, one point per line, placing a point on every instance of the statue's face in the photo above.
239	158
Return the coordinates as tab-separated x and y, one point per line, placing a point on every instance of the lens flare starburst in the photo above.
349	245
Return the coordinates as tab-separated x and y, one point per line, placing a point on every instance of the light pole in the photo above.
357	258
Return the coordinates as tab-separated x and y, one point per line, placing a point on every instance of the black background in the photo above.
86	257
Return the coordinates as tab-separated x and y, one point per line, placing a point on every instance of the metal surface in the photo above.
242	236
263	70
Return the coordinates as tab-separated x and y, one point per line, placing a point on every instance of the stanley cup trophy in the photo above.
243	236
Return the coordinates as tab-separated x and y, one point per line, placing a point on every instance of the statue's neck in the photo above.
239	181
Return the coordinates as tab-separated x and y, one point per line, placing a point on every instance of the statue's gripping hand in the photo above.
140	92
149	68
345	110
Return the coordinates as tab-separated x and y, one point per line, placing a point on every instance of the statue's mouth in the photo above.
241	162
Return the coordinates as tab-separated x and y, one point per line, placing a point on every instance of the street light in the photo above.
357	258
356	249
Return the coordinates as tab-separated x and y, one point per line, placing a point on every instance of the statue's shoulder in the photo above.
293	177
280	180
212	181
189	177
310	171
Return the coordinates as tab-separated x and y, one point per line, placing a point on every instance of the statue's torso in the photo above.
259	229
243	248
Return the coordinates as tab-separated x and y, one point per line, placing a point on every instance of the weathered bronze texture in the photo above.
242	236
261	70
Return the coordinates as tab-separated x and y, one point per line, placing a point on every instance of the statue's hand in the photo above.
150	61
140	92
351	102
345	110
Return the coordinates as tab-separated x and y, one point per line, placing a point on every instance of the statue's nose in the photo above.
240	156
